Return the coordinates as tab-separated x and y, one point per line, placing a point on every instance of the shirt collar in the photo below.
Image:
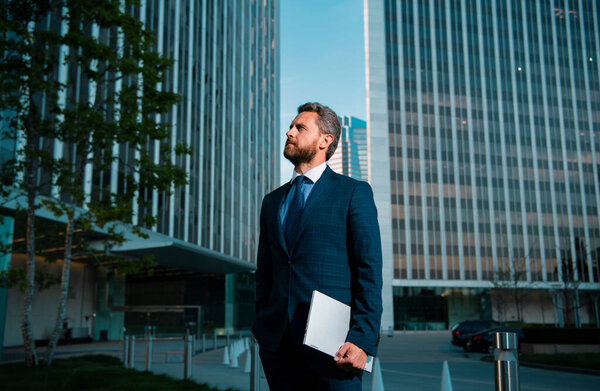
313	174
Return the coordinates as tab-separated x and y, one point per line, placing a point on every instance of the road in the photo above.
413	361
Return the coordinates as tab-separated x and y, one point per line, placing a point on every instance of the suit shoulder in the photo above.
276	193
346	181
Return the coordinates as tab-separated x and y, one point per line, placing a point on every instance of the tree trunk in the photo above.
64	292
26	327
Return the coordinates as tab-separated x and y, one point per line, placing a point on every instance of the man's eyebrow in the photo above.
298	125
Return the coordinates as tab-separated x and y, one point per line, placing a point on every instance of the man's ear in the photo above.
326	141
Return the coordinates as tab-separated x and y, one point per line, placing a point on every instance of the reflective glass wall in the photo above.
494	127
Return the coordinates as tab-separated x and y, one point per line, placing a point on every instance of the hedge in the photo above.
571	336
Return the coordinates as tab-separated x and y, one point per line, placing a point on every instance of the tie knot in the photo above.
300	180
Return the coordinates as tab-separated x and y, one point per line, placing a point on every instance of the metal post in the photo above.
148	364
131	351
255	367
506	367
228	337
597	314
125	351
187	358
199	325
554	305
577	310
203	342
561	314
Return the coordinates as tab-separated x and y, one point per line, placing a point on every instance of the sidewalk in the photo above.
207	367
410	361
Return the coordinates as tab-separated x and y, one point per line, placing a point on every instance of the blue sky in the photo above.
322	59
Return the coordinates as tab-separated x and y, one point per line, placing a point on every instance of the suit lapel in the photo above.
279	226
317	197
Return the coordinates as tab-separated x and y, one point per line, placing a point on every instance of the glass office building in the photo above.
350	157
484	119
226	70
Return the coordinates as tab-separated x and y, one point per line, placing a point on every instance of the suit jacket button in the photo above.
289	262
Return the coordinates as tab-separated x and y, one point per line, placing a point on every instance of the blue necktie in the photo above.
294	210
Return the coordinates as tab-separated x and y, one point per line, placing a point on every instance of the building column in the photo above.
229	302
110	292
6	233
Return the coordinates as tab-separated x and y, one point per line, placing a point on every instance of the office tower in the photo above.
350	157
226	69
485	114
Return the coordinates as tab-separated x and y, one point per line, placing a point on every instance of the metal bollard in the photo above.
506	367
131	351
148	362
125	351
255	366
390	331
203	342
228	338
187	358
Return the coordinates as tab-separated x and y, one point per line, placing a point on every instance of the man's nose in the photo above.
291	132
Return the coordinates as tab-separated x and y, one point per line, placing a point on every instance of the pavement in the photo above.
409	360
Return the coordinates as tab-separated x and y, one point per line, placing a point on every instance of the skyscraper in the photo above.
485	114
350	157
226	69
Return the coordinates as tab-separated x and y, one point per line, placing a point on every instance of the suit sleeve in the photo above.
263	273
366	270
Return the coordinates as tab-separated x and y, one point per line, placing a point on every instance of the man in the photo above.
318	232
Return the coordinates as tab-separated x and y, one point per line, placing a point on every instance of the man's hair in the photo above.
328	123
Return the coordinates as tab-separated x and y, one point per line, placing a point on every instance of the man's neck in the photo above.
303	168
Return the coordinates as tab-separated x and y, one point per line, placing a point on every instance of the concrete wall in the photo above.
538	308
45	304
110	290
378	144
6	231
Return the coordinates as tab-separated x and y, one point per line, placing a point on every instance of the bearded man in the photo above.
317	232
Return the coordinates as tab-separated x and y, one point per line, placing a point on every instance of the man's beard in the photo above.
301	155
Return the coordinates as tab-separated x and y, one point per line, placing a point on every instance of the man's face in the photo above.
303	138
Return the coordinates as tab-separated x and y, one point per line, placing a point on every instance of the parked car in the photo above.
483	341
461	330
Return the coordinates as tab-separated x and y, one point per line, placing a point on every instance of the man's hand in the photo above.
351	358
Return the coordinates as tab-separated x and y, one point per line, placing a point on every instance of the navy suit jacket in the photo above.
337	251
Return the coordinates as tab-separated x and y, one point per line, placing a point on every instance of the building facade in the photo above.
485	117
351	154
226	70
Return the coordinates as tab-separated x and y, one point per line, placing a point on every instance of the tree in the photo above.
571	270
111	127
512	279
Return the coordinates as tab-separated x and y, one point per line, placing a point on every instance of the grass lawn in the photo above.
95	372
575	360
